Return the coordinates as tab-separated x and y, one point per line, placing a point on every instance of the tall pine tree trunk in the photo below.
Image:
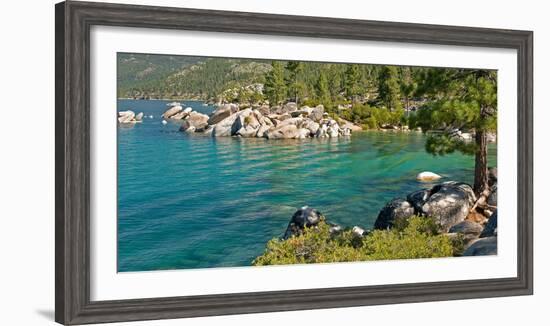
481	175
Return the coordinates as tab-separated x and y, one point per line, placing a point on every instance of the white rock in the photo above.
333	131
188	110
427	176
126	116
164	122
172	111
303	133
357	230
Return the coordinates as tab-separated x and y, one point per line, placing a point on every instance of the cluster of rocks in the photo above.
129	117
453	205
456	210
286	121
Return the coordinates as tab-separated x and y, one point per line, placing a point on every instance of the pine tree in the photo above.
389	92
294	85
460	99
408	84
275	87
352	81
322	89
335	81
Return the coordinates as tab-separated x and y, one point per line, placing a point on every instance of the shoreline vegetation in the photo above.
446	220
456	108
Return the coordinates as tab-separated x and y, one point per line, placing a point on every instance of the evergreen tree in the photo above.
294	85
460	99
389	92
275	87
352	82
408	84
322	89
335	80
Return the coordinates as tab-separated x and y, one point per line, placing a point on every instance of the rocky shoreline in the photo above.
456	210
277	122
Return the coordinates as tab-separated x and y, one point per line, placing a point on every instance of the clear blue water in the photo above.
192	201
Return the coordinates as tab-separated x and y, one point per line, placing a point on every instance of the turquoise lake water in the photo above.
192	201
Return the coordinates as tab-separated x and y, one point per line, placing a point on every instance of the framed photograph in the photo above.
215	162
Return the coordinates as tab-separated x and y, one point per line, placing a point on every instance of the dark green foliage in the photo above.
275	87
416	237
389	89
322	89
372	117
352	82
459	99
294	83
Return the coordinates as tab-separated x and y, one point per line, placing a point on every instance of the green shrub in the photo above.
415	238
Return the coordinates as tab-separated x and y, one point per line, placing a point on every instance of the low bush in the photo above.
415	238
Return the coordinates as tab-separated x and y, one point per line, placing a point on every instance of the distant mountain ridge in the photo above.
165	76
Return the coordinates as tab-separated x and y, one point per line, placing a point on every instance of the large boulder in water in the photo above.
126	116
222	112
302	218
312	126
396	209
449	203
226	127
490	229
196	120
262	131
172	111
246	126
286	131
482	247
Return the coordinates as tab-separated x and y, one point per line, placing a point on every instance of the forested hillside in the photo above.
156	76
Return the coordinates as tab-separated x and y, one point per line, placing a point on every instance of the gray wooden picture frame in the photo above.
72	153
